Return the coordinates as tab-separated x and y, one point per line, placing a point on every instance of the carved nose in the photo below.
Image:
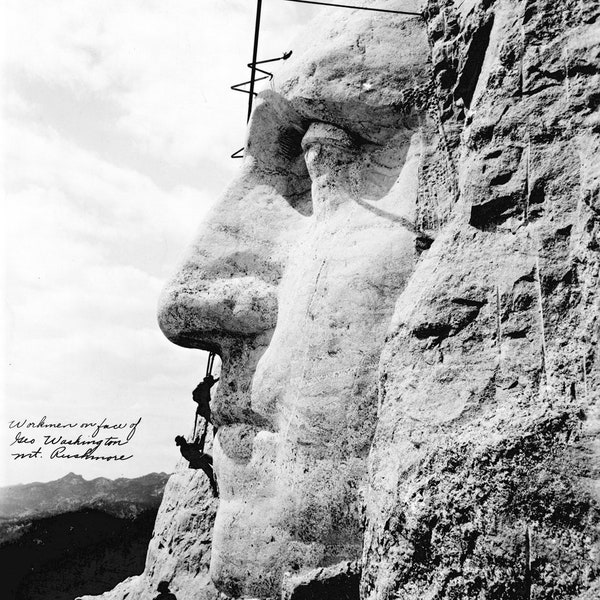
223	305
196	311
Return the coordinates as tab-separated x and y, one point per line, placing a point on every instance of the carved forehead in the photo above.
357	69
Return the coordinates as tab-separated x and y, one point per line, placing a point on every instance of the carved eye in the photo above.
326	134
328	150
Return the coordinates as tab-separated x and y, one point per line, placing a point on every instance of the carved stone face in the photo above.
292	280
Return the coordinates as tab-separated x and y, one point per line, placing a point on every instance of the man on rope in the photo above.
198	459
164	592
201	396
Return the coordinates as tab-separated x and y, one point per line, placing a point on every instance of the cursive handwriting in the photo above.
87	455
85	443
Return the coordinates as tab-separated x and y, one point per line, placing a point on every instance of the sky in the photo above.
117	126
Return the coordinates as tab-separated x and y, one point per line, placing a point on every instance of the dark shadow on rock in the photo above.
338	582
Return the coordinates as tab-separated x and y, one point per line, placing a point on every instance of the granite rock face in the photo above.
485	461
402	285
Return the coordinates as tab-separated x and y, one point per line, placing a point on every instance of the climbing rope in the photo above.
210	363
354	7
209	367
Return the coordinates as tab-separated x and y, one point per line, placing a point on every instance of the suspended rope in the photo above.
210	363
267	75
384	10
193	451
198	459
201	395
254	69
238	87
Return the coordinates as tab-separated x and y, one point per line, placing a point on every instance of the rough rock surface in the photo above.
179	551
485	461
403	287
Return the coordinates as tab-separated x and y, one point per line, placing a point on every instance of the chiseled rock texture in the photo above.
485	463
409	392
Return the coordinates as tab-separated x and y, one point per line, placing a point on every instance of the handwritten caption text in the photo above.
101	439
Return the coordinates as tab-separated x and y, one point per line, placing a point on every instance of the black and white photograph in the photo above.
300	300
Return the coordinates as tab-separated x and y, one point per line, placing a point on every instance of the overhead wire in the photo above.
252	65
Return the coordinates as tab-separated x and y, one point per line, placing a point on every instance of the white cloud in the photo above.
168	66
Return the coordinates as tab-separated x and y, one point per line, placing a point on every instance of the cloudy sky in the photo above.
118	123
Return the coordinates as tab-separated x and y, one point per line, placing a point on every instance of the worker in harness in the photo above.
198	459
164	592
201	396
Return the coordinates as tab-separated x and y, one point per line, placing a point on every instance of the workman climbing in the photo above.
201	396
197	459
199	443
164	592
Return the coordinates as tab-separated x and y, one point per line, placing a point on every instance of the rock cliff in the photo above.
484	467
403	288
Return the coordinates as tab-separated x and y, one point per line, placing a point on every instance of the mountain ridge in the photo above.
73	536
124	497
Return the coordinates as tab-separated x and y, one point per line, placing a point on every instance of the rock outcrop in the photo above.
402	285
